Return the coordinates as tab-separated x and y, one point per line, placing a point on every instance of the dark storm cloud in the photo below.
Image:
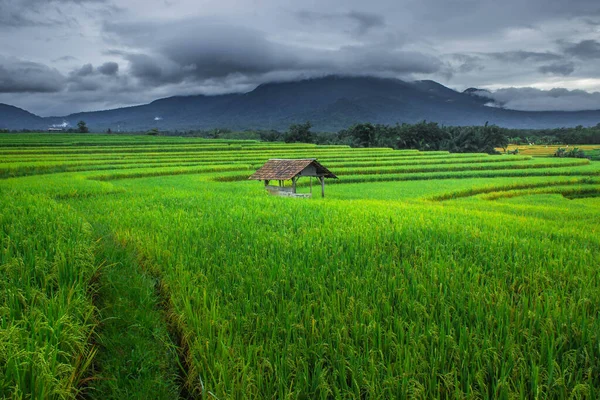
204	50
200	50
585	49
103	78
563	69
109	68
154	70
18	76
361	22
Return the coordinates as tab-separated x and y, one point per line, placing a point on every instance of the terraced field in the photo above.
549	150
150	267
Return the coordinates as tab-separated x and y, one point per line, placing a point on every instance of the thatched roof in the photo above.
278	169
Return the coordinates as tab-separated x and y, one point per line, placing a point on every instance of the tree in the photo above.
422	136
269	136
493	137
364	135
300	133
82	127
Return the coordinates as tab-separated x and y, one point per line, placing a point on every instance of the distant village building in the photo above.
56	129
283	170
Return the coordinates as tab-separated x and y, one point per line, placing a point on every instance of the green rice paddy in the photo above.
150	267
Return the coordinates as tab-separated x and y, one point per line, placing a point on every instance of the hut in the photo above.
283	170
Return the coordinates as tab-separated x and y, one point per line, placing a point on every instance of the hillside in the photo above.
16	118
330	103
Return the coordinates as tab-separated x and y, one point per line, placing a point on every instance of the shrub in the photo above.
573	153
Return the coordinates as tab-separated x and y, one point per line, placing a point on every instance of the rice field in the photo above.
549	150
151	267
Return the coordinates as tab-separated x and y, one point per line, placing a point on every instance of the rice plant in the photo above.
421	275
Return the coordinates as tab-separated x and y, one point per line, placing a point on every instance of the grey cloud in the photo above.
18	76
64	58
173	51
25	13
67	102
12	18
109	68
521	56
366	21
374	60
464	63
563	69
592	22
154	70
88	78
531	99
361	21
189	50
229	46
85	70
585	49
464	18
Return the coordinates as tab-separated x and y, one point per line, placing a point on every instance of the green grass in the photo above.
136	357
46	315
593	154
420	275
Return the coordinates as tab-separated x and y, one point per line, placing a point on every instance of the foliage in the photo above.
270	135
46	265
570	153
426	136
570	136
82	127
300	133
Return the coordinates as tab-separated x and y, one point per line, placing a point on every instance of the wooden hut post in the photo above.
322	178
311	185
294	179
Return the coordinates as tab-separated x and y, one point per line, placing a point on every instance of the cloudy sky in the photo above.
63	56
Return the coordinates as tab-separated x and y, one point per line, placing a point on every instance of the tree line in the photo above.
570	136
432	136
421	136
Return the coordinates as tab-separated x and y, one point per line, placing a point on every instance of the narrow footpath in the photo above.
136	357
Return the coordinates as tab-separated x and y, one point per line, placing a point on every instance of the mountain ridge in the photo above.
330	103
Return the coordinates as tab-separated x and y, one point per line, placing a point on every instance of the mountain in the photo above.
330	103
16	118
